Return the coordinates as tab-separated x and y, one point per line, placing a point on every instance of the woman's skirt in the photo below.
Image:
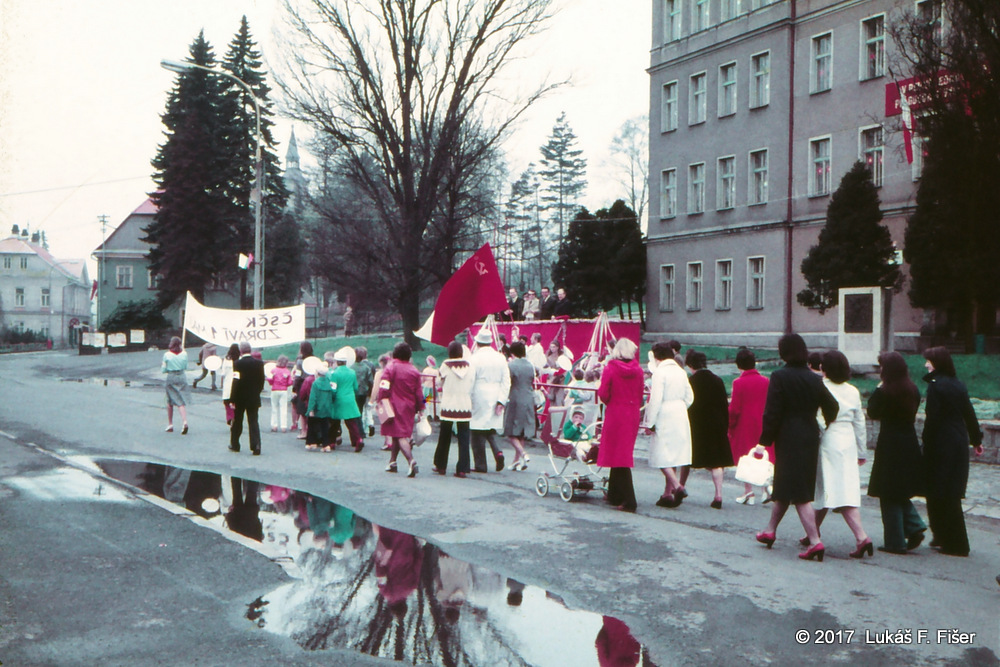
177	388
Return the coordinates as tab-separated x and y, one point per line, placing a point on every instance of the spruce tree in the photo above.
564	174
854	249
191	228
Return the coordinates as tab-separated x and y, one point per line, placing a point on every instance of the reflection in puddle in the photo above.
381	592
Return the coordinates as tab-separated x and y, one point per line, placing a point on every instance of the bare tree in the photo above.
400	86
630	157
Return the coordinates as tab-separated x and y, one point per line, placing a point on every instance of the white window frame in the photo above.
760	80
938	19
668	106
46	298
19	297
756	283
698	98
6	262
873	156
701	15
757	197
667	288
872	45
668	193
672	13
695	284
815	60
723	284
696	187
123	276
728	96
919	149
820	187
729	9
24	263
726	186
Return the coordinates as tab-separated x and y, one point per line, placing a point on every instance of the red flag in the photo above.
93	290
472	293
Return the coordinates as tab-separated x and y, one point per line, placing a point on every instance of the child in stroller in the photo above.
573	457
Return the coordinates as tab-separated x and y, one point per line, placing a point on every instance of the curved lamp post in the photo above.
256	195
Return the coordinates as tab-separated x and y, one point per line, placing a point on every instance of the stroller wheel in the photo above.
566	491
542	486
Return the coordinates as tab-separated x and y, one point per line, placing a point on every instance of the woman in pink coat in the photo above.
621	392
402	386
746	413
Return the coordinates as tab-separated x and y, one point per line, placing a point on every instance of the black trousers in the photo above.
620	488
444	446
236	430
479	441
948	524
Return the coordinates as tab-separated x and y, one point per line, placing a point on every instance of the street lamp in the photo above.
256	195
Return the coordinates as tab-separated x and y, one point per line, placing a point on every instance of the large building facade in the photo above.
757	109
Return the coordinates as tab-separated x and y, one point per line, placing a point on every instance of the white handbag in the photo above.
755	471
421	431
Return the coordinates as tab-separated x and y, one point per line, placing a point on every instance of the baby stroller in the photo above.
574	467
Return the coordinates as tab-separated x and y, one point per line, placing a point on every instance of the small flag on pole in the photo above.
244	261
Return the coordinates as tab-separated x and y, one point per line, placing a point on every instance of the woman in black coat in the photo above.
897	470
709	417
950	427
794	395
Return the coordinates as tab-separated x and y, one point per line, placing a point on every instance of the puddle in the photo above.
105	382
364	587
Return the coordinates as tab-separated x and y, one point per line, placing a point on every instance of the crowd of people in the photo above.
533	306
806	418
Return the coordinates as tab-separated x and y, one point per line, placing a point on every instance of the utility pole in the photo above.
101	265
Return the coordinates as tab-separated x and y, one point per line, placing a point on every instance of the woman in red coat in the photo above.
401	385
621	392
746	413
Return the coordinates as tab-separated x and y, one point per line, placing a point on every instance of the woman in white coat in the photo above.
670	396
490	390
842	451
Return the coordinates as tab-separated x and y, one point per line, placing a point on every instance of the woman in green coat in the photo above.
320	412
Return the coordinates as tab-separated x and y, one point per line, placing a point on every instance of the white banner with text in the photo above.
261	328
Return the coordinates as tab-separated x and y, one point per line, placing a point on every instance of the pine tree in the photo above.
194	215
243	61
563	172
285	269
854	250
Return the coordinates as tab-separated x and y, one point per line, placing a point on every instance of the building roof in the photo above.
74	269
127	237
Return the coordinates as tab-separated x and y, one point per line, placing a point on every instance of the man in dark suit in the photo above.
563	307
515	307
248	382
548	305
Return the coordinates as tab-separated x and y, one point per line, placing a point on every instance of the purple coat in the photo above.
621	392
401	384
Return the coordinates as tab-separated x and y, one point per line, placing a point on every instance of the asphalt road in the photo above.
87	582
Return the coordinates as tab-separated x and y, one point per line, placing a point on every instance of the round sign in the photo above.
347	351
564	362
213	363
310	364
74	322
269	369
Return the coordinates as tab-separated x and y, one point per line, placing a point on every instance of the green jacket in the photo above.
321	397
345	405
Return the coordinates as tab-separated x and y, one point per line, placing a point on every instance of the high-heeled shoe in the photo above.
746	499
766	539
816	552
804	541
863	548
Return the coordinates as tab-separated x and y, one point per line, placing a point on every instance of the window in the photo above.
20	327
819	162
44	331
694	286
696	188
930	15
668	193
671	20
727	90
667	288
700	18
758	177
724	284
821	72
698	103
668	113
152	280
46	298
124	277
730	9
873	47
19	297
727	183
755	283
919	153
24	263
760	80
6	262
872	150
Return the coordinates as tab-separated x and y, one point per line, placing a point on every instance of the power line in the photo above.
72	187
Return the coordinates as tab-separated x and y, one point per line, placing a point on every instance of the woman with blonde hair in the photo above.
175	363
621	392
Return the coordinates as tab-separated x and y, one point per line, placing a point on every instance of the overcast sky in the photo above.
81	93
